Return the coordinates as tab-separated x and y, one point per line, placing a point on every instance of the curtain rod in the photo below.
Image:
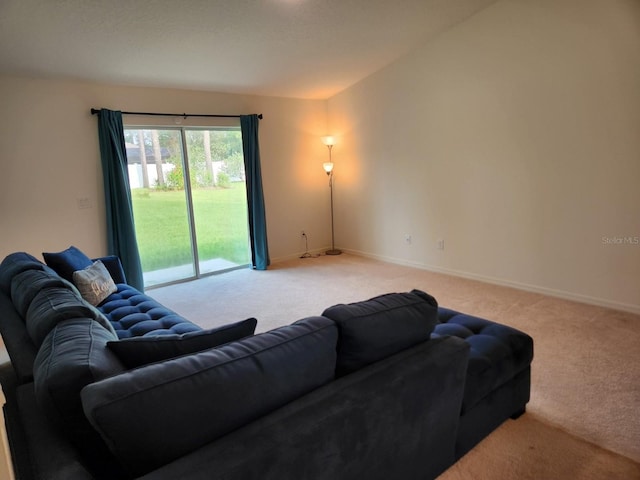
96	111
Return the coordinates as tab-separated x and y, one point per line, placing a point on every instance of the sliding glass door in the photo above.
189	200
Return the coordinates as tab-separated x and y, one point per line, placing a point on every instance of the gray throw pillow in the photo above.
94	283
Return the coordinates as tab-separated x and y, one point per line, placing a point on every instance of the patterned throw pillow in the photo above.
94	283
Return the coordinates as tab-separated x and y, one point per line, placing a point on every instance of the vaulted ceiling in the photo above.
290	48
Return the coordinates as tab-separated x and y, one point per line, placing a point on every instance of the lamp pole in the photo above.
328	167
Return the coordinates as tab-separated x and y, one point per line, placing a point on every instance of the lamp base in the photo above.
333	251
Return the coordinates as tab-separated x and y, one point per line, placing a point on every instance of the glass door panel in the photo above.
218	194
189	201
155	160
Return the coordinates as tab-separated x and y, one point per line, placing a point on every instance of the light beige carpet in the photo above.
582	421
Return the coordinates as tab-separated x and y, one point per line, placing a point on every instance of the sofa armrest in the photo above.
19	345
114	267
396	418
48	455
6	463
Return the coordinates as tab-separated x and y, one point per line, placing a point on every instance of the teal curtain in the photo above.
121	233
255	198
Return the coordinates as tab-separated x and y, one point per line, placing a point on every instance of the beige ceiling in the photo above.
291	48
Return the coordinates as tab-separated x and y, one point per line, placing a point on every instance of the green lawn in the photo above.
163	233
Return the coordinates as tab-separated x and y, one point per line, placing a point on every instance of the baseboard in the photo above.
576	297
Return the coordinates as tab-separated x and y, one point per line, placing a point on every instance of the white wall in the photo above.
515	137
49	158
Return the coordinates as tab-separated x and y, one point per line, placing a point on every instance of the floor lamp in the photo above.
328	167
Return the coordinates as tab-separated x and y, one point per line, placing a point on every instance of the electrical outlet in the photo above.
84	203
440	244
407	238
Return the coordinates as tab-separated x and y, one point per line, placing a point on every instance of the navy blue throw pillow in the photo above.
381	326
67	262
136	351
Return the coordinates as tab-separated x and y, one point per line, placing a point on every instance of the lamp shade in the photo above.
328	140
328	166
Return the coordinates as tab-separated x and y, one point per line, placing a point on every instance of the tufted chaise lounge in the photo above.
134	314
498	376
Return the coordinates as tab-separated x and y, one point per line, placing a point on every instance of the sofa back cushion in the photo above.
52	305
152	415
73	354
15	263
381	326
26	285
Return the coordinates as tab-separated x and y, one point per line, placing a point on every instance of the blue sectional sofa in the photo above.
105	382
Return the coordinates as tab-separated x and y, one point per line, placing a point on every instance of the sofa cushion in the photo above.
26	285
114	267
498	352
152	415
52	305
14	264
94	283
134	314
67	262
136	351
72	355
381	326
